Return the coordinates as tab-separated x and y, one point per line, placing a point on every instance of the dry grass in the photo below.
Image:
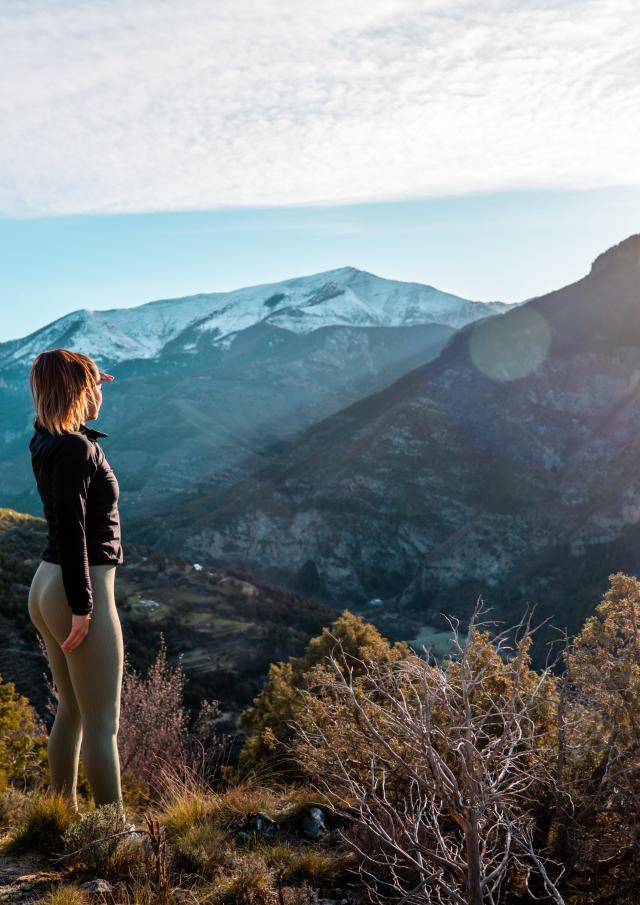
66	894
248	797
199	824
323	868
184	812
45	818
201	851
250	883
184	799
206	863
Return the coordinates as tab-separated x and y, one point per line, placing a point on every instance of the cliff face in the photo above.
507	467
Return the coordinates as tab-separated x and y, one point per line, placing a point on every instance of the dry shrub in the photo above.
13	807
445	767
156	743
152	720
94	837
597	820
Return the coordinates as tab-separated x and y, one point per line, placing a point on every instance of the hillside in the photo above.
507	467
227	626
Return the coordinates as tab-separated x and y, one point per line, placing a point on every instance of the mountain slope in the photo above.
508	467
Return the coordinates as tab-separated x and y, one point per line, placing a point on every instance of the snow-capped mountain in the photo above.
210	386
345	296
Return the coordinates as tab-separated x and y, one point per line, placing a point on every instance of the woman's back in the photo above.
79	493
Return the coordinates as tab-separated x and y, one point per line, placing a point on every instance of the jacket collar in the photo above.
89	432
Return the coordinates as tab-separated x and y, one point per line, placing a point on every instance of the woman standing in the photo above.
72	600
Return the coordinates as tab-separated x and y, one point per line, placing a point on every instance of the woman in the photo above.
72	599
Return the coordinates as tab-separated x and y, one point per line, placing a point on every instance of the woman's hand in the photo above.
79	631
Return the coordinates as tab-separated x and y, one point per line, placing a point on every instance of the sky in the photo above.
159	149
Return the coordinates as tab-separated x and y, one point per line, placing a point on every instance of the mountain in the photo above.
346	296
507	467
211	387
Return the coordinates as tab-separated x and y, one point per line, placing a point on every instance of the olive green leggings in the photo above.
88	681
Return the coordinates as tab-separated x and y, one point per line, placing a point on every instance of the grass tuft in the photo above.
250	883
46	817
66	894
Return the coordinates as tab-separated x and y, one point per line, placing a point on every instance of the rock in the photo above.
97	887
313	825
259	824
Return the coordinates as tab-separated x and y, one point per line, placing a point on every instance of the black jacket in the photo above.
79	493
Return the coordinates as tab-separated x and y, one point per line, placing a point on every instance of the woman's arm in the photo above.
71	475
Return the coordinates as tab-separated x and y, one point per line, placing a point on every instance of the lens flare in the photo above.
511	345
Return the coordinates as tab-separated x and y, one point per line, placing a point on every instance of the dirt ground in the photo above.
25	879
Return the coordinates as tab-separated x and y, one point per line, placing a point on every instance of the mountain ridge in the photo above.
210	386
204	313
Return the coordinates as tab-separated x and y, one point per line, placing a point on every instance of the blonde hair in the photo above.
62	387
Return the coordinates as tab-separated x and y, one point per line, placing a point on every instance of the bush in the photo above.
92	840
156	742
23	739
152	720
13	807
598	828
268	722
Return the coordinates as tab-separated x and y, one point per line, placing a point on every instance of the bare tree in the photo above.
439	768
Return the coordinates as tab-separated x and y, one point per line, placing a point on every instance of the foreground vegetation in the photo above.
369	772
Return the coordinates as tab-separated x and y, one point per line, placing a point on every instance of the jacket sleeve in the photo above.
72	471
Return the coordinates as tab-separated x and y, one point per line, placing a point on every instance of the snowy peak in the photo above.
344	296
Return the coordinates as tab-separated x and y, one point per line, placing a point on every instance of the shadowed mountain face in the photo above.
508	467
211	387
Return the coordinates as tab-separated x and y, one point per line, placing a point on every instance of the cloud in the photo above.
186	104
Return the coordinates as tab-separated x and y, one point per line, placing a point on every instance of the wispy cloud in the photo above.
108	105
